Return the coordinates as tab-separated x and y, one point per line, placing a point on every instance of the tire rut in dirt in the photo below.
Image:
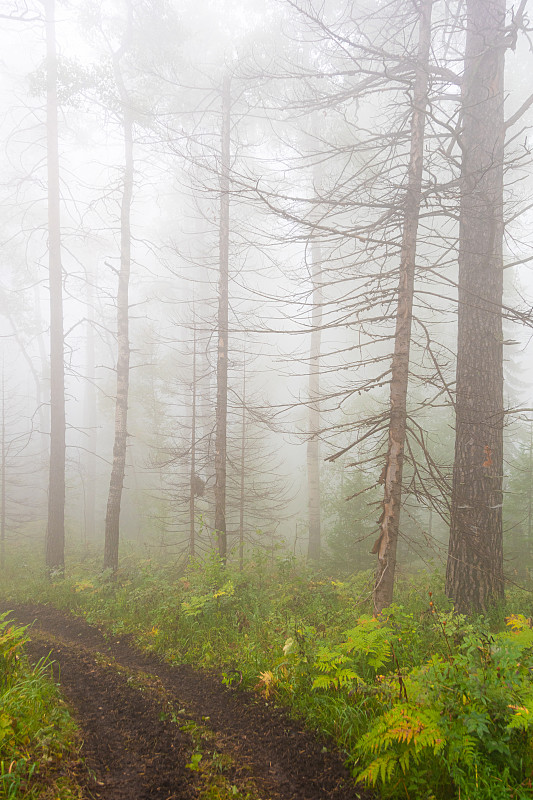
132	753
287	761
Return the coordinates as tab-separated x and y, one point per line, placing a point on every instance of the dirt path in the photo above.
132	709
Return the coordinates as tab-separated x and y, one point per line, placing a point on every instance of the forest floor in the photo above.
152	730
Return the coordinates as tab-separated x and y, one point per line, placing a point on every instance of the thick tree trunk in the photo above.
313	442
222	338
386	545
55	534
116	484
474	576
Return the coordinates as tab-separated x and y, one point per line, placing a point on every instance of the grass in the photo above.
38	739
284	631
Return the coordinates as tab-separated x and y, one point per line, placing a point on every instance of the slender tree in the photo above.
193	488
55	535
386	544
90	413
112	522
242	481
3	465
222	325
313	442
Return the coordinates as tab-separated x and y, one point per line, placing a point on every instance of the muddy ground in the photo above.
145	723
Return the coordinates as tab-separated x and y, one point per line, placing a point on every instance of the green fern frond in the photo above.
381	769
344	676
322	682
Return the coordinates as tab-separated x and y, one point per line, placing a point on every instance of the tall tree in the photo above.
3	454
313	442
55	534
222	324
193	483
474	576
386	544
242	477
90	413
116	484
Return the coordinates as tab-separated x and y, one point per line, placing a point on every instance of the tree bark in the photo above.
530	495
242	492
386	545
3	478
90	413
112	522
55	534
313	442
474	575
192	489
222	337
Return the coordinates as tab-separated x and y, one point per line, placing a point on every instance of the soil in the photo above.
131	708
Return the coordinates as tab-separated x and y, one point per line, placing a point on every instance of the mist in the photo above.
212	197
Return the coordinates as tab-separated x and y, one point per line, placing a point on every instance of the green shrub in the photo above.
460	725
426	704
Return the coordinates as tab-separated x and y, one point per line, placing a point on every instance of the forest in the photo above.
266	431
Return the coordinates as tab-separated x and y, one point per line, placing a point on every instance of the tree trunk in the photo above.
55	534
242	493
222	339
386	545
90	413
192	491
474	575
3	478
529	548
116	484
40	377
313	443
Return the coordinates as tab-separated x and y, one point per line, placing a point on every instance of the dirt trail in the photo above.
136	752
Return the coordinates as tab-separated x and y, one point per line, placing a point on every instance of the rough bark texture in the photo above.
112	522
222	340
386	545
313	443
474	577
55	533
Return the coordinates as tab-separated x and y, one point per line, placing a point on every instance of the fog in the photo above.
273	137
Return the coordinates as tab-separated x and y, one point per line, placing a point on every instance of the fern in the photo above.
381	770
372	638
398	739
368	645
322	682
328	658
331	662
522	718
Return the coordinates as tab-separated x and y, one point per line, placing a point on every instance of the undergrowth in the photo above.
426	704
37	736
